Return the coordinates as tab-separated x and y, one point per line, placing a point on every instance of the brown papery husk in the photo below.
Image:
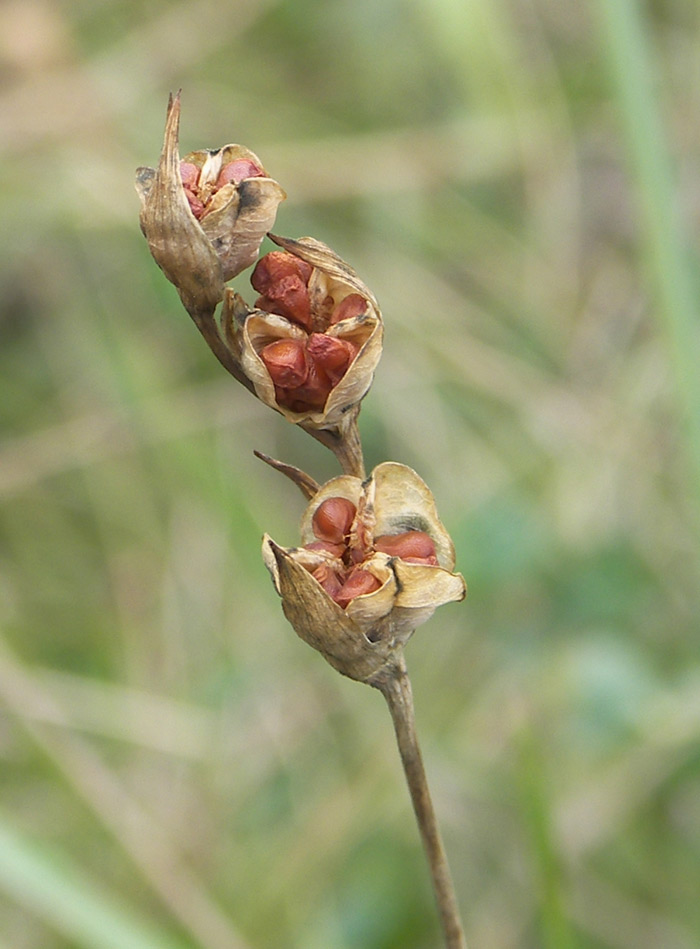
404	502
177	242
356	652
240	214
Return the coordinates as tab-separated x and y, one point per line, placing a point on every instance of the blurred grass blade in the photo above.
626	45
555	929
67	901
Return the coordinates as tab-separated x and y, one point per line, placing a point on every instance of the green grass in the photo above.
517	184
68	901
665	239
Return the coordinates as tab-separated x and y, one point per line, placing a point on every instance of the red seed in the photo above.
289	297
264	303
359	582
328	578
337	550
275	265
189	173
416	545
238	170
333	519
285	360
311	396
196	206
353	305
357	554
331	355
281	278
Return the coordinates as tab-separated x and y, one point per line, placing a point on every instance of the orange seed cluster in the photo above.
304	371
345	576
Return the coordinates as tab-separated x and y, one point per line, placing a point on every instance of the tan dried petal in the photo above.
368	611
404	502
422	586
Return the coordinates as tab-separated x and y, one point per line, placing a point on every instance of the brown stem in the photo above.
207	326
344	442
396	689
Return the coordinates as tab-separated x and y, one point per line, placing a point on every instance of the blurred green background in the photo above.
519	183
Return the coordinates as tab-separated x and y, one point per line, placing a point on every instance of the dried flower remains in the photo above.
313	339
374	560
205	217
374	563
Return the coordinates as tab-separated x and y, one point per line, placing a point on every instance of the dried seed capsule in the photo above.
352	305
285	360
299	290
358	583
333	519
361	627
202	234
412	546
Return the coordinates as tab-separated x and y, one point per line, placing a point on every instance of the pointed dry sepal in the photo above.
204	217
306	484
313	340
374	564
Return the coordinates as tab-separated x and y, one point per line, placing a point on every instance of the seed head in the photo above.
205	217
374	564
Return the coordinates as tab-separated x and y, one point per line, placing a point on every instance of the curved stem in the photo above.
396	689
207	326
344	442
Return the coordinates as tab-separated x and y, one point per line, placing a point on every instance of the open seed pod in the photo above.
312	341
205	217
375	562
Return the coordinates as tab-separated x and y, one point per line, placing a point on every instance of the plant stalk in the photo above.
207	326
396	689
344	442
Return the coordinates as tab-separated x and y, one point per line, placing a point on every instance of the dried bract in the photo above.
205	217
312	341
375	562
